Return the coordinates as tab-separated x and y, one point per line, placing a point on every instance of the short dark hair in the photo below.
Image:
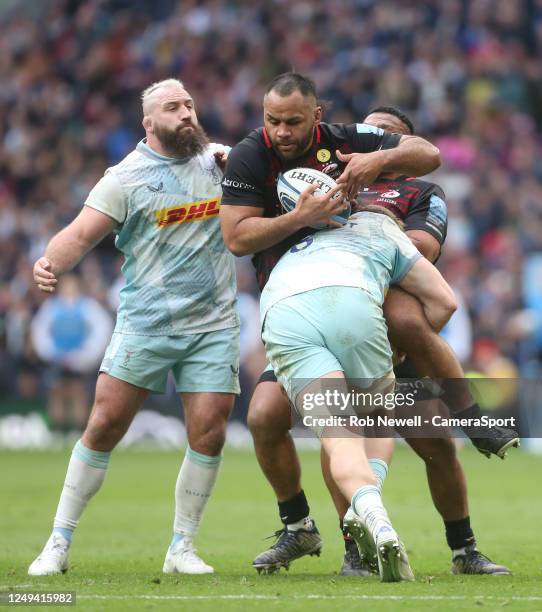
288	82
392	110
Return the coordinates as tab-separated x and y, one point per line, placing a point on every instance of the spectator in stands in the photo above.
70	332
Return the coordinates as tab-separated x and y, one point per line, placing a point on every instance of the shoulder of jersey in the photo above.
254	141
334	130
254	138
419	182
131	163
215	146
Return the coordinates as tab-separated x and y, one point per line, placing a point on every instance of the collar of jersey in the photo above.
144	148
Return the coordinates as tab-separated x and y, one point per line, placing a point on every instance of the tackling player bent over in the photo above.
322	320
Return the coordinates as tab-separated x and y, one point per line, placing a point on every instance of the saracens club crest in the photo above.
323	155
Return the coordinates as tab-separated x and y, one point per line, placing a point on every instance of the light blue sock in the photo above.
65	533
367	503
94	458
365	490
380	470
194	486
86	472
177	537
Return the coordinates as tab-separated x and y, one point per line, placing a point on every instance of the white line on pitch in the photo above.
319	596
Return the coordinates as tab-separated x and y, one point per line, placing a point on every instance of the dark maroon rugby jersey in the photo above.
253	166
420	204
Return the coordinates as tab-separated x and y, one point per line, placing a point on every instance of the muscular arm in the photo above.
428	245
70	245
426	283
246	230
413	156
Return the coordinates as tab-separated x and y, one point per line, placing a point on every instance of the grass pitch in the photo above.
118	550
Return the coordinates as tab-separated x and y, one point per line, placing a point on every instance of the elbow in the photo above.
448	307
235	247
434	157
239	252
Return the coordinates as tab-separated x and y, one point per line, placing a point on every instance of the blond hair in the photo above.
147	93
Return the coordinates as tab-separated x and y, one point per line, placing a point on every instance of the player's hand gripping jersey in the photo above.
180	278
253	167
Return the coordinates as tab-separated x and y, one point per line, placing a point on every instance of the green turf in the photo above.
118	550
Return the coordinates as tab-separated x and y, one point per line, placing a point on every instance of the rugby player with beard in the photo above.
177	314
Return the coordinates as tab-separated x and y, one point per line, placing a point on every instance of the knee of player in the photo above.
267	418
210	440
102	429
407	327
436	451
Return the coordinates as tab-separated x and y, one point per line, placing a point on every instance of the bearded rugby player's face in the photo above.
290	121
175	124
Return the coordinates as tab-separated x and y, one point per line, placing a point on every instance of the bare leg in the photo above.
375	448
409	331
445	476
115	406
206	416
269	421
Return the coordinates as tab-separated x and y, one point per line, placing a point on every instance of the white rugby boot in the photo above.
393	562
53	559
363	539
182	558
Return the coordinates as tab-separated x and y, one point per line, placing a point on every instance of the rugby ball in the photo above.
290	184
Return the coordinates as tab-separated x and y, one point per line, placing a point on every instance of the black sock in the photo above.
473	412
472	431
294	509
459	533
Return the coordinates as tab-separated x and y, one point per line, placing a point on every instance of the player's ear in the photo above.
318	114
147	123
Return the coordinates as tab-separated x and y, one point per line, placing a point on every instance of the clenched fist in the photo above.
43	276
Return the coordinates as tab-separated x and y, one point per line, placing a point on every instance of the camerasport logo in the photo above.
193	211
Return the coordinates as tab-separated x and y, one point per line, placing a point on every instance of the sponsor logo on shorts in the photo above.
194	211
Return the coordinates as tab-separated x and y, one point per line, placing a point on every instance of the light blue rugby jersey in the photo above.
180	278
370	252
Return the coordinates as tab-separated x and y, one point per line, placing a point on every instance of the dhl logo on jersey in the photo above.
193	211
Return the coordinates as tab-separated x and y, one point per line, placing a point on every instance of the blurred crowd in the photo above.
468	72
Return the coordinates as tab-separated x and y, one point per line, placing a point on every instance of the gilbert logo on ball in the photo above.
290	184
